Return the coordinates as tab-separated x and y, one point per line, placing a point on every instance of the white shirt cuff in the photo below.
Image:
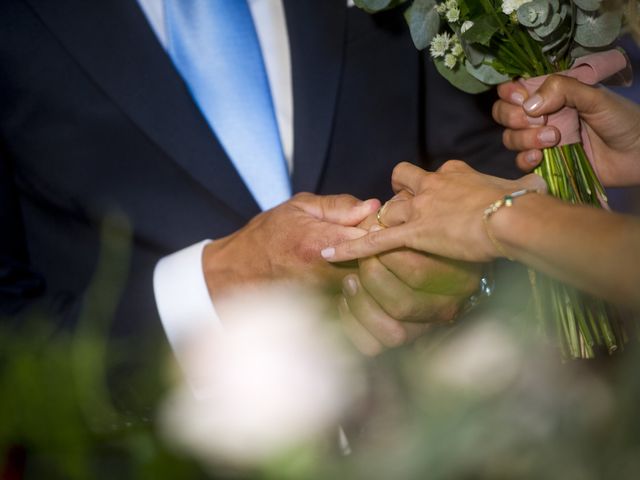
182	297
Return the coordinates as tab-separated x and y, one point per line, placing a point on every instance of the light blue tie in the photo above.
214	45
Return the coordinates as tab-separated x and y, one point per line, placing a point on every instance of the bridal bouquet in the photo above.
476	44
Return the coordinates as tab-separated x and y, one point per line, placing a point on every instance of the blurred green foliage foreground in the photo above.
479	401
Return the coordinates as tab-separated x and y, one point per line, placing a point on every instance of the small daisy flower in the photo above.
453	15
440	44
457	49
451	4
450	61
441	8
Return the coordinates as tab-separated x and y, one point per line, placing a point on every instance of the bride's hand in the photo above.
612	123
443	214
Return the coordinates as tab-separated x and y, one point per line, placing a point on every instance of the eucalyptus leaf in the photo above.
599	30
562	39
483	29
486	73
588	5
473	54
550	27
461	78
373	6
535	13
423	21
579	51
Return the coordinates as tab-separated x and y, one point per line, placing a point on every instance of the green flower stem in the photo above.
508	56
494	11
535	54
582	321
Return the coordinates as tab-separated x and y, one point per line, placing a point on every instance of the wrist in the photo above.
503	219
219	274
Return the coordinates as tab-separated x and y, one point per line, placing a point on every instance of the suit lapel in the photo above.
316	36
114	44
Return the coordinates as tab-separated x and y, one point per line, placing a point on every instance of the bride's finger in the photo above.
530	138
371	244
528	160
513	116
407	176
395	212
512	92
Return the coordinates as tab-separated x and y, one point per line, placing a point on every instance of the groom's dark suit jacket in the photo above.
94	118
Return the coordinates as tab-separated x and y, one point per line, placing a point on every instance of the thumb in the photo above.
341	209
559	91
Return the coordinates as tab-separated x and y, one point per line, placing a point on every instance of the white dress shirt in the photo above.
181	293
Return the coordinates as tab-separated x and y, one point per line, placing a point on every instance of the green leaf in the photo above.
535	13
484	27
473	54
594	31
588	5
373	6
486	73
460	78
423	21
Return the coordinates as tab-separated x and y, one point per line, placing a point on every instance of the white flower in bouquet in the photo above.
456	49
450	61
440	45
453	15
277	379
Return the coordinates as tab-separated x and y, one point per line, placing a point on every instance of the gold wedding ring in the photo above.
379	215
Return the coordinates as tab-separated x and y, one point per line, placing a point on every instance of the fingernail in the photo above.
535	120
548	135
350	286
517	98
328	252
534	157
533	103
375	228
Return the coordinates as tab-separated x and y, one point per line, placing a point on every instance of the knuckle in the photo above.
306	251
514	117
397	170
302	195
452	166
395	335
401	310
495	111
554	83
507	139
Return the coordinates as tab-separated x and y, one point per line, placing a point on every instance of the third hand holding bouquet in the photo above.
481	43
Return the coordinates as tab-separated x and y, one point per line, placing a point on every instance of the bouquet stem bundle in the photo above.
583	322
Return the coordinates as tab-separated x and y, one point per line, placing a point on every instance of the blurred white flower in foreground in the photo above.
484	359
276	379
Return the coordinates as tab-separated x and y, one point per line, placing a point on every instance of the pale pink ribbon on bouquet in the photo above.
611	67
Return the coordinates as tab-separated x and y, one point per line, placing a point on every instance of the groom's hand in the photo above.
395	297
284	243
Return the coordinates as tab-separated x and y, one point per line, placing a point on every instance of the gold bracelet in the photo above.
505	201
